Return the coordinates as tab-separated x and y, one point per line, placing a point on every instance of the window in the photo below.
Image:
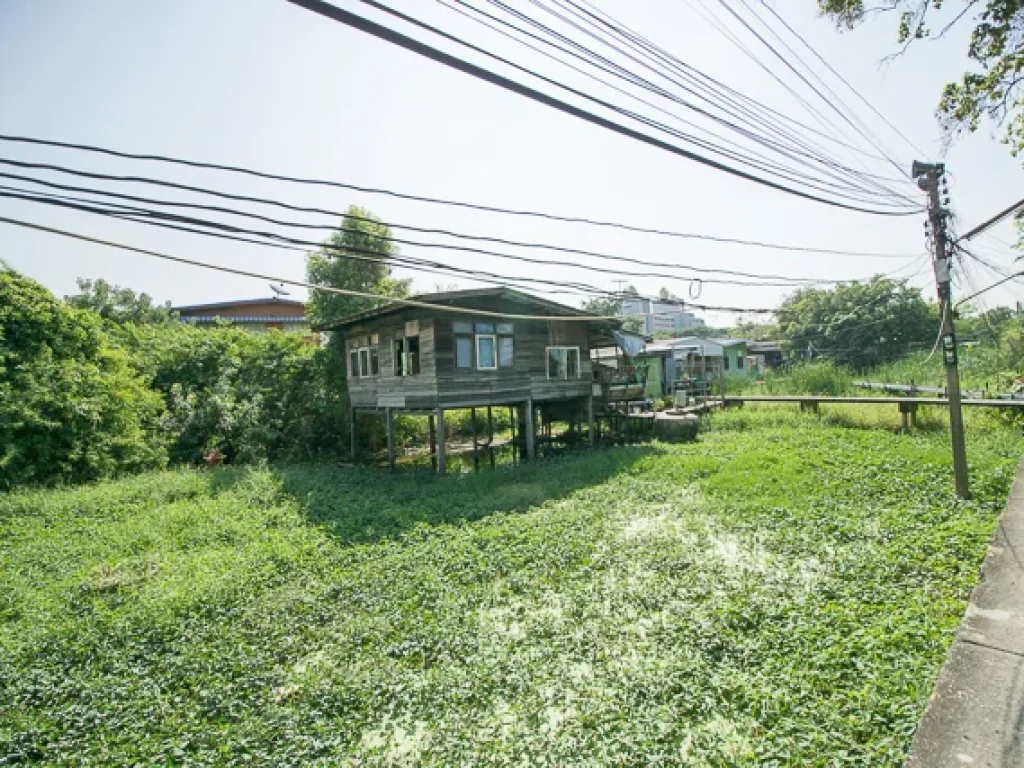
563	362
739	362
407	356
362	357
486	353
504	351
725	361
463	351
484	346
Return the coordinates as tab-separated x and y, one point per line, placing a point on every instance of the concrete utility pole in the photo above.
928	176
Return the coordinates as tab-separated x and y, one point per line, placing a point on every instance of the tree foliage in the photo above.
71	407
119	305
251	396
993	91
355	258
858	324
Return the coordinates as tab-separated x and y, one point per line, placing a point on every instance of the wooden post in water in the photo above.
389	416
442	465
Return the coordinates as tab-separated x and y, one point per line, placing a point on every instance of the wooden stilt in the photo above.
352	435
490	435
530	447
433	442
472	421
591	437
442	466
389	416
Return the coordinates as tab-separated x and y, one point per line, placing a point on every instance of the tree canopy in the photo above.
993	91
858	324
355	257
117	304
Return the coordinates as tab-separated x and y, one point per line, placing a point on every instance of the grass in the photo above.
781	593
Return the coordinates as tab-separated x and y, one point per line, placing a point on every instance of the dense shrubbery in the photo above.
252	397
85	395
71	406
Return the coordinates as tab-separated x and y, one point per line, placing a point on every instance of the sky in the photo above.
267	85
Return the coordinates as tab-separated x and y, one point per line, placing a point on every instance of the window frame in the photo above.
563	367
512	352
400	360
494	350
468	337
364	349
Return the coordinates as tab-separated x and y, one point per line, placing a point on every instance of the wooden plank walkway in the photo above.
818	399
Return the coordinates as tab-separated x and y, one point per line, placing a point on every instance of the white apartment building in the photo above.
659	316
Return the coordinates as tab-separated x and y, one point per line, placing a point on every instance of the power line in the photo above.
807	82
660	58
146	214
346	292
842	79
607	105
384	33
345	215
993	221
386	192
800	153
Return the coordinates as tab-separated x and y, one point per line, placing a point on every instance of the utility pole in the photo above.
928	176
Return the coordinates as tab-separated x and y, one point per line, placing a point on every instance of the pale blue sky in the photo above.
268	85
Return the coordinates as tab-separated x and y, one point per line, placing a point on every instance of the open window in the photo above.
563	362
407	356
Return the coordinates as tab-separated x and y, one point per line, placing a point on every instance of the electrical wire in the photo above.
386	192
147	214
391	36
346	292
600	102
789	65
347	216
842	79
799	154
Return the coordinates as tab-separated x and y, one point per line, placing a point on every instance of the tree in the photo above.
996	44
119	305
71	407
858	324
356	258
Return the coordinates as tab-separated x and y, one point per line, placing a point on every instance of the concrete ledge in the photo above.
976	714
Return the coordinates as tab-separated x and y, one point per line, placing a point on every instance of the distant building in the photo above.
256	315
659	316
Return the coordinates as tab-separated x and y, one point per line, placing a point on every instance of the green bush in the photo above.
71	407
816	378
251	396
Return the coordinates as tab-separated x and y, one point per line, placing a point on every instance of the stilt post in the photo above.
442	466
389	416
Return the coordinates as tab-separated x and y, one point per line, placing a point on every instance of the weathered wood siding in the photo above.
441	383
387	389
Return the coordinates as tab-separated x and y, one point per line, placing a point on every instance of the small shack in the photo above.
473	348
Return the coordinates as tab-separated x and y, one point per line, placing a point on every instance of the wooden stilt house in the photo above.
473	348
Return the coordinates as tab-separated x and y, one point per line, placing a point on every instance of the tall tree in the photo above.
996	44
119	305
858	324
355	257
